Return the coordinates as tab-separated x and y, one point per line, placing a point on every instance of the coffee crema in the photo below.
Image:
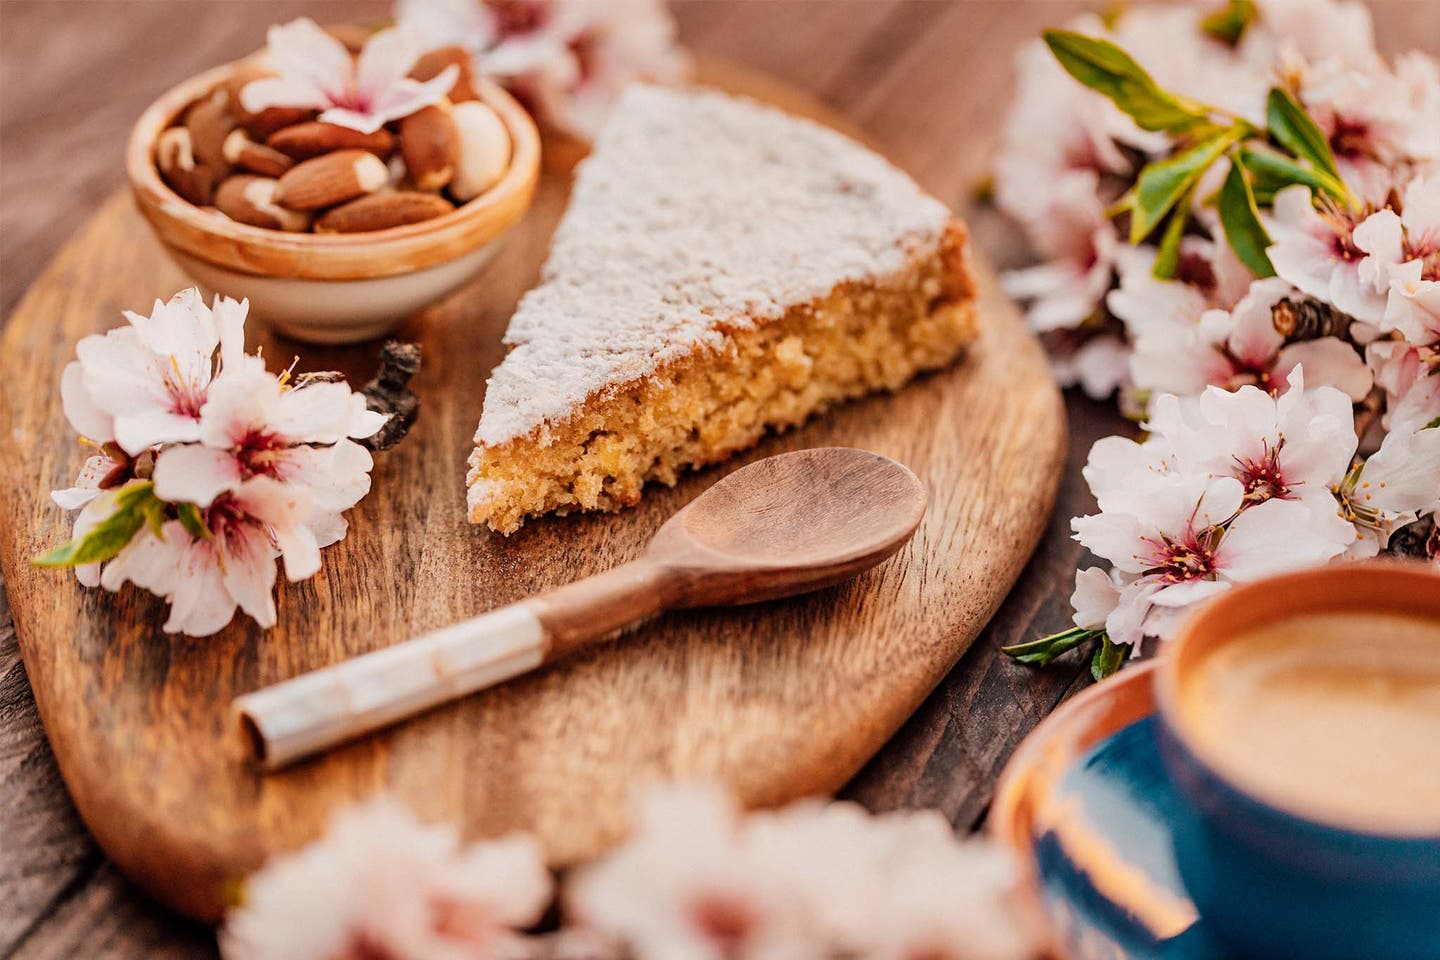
1332	716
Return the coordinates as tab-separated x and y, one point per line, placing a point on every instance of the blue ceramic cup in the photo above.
1269	882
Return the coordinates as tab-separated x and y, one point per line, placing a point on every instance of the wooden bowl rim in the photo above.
256	250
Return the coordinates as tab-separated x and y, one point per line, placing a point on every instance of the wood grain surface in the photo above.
928	79
777	701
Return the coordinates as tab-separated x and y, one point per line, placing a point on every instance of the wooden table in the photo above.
928	80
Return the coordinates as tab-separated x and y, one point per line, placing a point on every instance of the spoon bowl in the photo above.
789	524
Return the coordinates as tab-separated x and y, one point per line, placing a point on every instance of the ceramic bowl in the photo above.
1271	882
331	288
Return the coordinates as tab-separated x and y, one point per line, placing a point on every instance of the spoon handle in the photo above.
320	709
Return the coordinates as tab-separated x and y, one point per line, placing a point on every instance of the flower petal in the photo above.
192	473
201	604
86	418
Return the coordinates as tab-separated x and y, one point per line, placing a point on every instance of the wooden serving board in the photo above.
777	700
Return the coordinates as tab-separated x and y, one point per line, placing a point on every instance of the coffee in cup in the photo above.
1334	715
1300	724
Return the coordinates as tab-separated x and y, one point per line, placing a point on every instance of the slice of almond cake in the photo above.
723	269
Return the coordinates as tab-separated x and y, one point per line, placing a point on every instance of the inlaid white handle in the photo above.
316	710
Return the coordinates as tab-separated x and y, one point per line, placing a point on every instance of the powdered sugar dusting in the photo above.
695	208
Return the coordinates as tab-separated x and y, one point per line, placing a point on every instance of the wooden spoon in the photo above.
783	525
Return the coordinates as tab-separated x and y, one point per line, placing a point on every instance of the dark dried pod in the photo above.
1309	319
1420	540
389	392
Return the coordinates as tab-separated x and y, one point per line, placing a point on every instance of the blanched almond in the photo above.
484	150
331	179
380	211
251	200
302	141
430	144
432	64
175	159
246	154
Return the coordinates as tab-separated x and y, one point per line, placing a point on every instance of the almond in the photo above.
432	64
430	145
242	152
305	140
331	179
251	200
484	150
175	159
380	211
210	122
260	125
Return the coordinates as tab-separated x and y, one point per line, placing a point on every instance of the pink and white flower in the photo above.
1177	539
144	384
255	425
1397	484
219	472
316	72
1295	446
567	59
687	884
1317	251
1178	351
230	564
381	884
812	880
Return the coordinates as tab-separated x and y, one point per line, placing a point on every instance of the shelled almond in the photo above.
302	141
283	168
250	199
381	211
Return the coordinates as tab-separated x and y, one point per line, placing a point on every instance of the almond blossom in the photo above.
1381	124
697	879
1295	446
687	885
1397	484
144	384
315	71
1175	539
567	60
206	468
1317	251
205	575
255	425
1181	347
382	884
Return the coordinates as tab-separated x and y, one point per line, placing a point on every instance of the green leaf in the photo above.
1039	653
1293	129
1162	184
1241	220
134	506
1167	259
1432	425
1104	67
1109	657
1272	173
1228	24
192	520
